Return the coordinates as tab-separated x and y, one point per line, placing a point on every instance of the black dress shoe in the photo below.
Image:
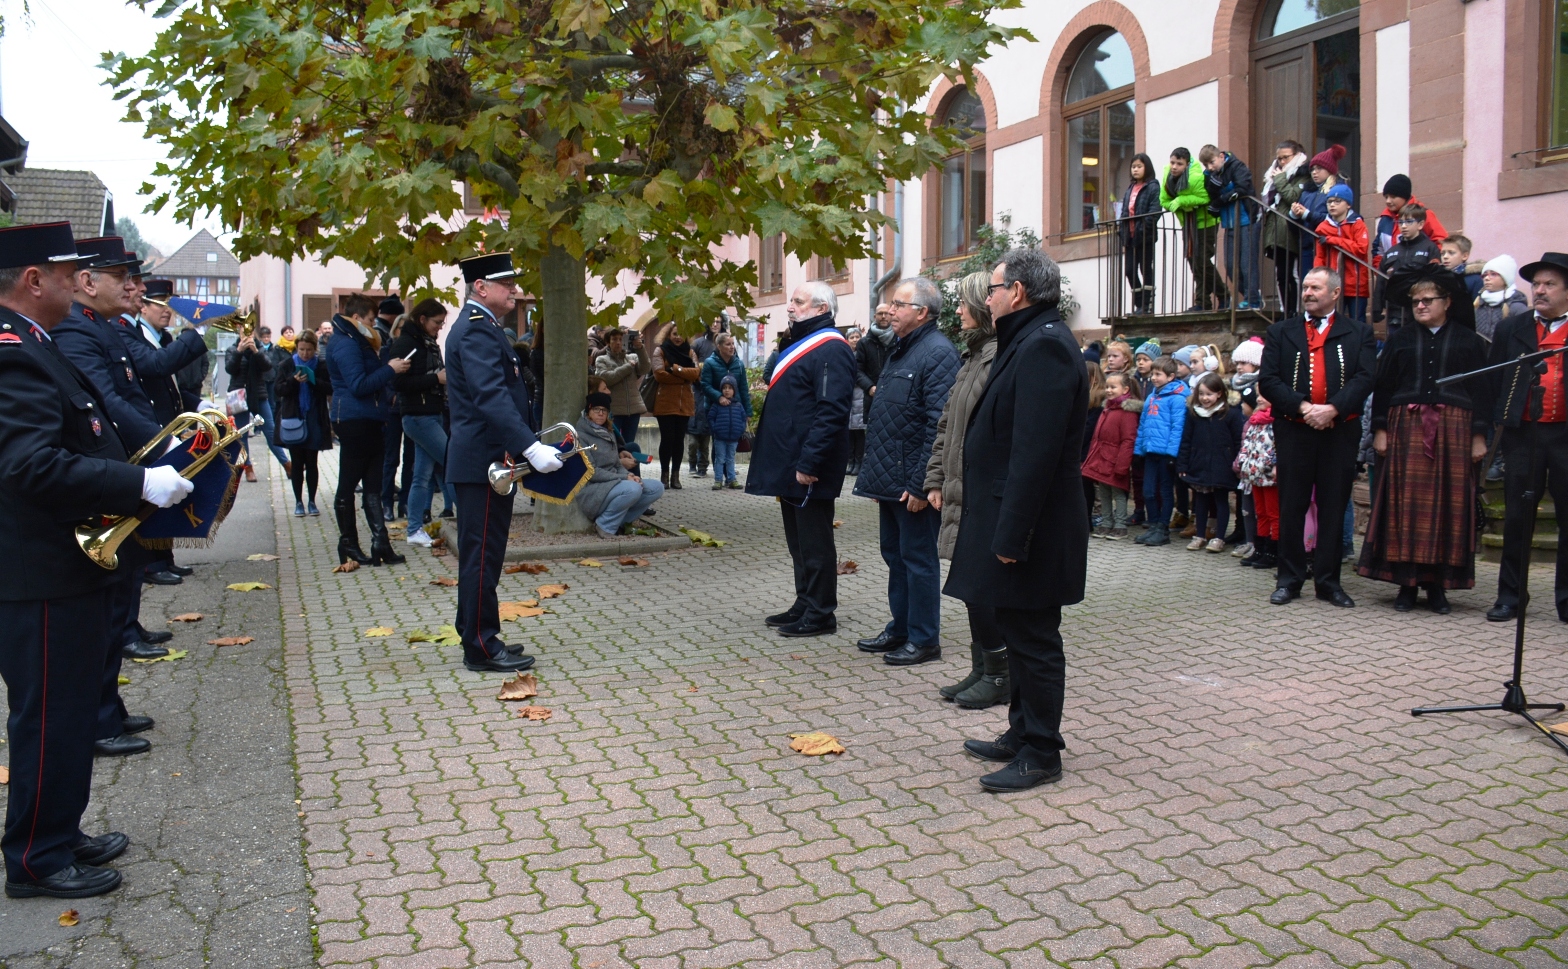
158	638
1437	600
1022	774
161	578
181	570
1406	600
1502	612
133	724
142	650
784	618
1282	595
505	663
72	881
1336	597
909	654
105	847
802	628
120	746
1001	749
884	642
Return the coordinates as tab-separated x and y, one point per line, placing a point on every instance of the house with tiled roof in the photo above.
52	195
203	269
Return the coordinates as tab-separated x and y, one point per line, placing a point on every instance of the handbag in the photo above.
649	389
292	431
743	446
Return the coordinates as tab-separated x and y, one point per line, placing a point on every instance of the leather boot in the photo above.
348	533
992	687
380	544
664	477
976	670
675	476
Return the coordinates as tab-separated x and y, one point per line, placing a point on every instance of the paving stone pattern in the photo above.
1245	784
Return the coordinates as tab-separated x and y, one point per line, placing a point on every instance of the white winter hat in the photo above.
1249	352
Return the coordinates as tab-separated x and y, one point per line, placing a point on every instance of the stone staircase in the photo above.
1543	548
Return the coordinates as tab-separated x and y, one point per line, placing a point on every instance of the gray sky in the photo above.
51	92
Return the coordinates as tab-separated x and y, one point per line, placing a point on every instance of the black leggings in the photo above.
362	443
983	628
672	441
305	469
1205	503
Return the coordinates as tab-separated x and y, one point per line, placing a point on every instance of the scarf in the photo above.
1263	415
1174	182
676	356
1205	411
307	390
1270	190
882	334
284	343
976	338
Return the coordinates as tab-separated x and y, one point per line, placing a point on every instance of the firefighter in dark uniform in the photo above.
61	462
90	338
491	421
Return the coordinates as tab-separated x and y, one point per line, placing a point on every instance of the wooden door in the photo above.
1282	104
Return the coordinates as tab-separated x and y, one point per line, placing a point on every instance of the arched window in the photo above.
1099	111
961	196
1288	15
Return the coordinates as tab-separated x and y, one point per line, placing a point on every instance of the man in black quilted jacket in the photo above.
900	429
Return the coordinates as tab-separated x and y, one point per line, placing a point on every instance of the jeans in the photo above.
724	460
628	500
1159	486
263	410
1241	263
430	442
914	572
627	425
1113	505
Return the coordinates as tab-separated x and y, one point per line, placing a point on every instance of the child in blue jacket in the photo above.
727	422
1159	443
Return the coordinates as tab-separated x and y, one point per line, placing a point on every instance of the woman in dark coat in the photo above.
1428	440
1140	217
300	393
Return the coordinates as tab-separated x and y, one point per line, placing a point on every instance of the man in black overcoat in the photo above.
1023	538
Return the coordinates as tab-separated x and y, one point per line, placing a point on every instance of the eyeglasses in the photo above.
802	502
899	304
1427	300
994	287
1410	221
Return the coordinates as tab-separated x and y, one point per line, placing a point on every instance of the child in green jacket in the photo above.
1183	194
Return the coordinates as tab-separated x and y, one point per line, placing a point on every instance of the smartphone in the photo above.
411	353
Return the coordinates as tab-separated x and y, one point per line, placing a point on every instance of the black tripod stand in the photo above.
1513	690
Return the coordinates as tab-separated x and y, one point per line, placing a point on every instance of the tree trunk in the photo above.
564	294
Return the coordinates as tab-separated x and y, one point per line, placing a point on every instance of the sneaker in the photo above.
1216	545
718	486
1100	531
1156	536
732	484
1196	544
1117	534
420	538
1241	551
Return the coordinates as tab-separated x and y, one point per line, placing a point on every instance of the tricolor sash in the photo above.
802	347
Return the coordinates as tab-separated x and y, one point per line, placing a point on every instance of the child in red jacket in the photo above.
1344	235
1109	464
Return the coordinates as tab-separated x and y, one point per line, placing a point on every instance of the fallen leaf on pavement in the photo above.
188	617
796	658
532	568
848	567
70	917
552	591
520	687
815	744
125	680
592	563
434	528
174	654
520	609
838	523
419	636
379	631
445	580
691	689
248	586
634	563
5	775
348	566
231	641
535	713
702	538
261	557
448	636
437	542
438	552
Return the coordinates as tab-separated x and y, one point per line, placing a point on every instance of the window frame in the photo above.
972	146
1098	104
770	256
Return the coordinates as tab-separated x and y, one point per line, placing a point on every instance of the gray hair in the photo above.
1041	277
822	295
1334	280
10	278
926	295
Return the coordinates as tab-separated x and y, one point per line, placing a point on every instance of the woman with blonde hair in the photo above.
987	682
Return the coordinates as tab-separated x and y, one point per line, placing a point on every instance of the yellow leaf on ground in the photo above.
70	917
445	580
702	538
815	744
419	636
448	636
174	654
261	557
434	528
532	568
248	586
125	681
838	523
188	617
379	631
5	775
535	713
521	609
348	566
592	563
231	641
520	687
635	563
552	591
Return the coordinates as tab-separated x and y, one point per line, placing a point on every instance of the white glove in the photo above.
164	487
543	457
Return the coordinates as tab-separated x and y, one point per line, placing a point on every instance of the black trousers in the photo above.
1287	278
1552	440
1308	459
123	601
391	451
50	661
983	628
361	443
1201	244
1138	264
672	441
306	472
1037	673
809	533
483	518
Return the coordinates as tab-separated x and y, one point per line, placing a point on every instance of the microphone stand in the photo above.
1513	690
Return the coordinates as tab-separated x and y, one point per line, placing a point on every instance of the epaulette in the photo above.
8	337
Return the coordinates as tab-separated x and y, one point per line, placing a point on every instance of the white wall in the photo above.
1084	277
1393	102
1017	180
1189	119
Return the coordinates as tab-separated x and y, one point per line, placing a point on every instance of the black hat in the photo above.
106	252
1398	185
491	265
1461	309
159	289
391	305
599	400
37	245
1548	260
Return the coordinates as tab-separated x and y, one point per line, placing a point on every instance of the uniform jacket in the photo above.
359	378
1191	199
714	370
1515	335
285	404
624	376
61	463
945	470
1164	415
94	345
1337	245
487	397
804	424
419	391
607	468
1023	493
1110	453
192	377
1209	446
1350	362
156	366
1403	257
251	369
1412	361
902	423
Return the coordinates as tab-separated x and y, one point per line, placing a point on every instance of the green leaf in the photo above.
720	117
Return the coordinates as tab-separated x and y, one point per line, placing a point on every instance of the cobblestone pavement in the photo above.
1245	784
214	875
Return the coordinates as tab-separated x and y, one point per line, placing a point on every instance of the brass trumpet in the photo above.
504	477
238	324
101	542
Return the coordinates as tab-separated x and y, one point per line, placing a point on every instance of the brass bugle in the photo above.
504	477
236	323
101	542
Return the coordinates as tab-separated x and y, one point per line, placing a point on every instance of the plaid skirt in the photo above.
1422	529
